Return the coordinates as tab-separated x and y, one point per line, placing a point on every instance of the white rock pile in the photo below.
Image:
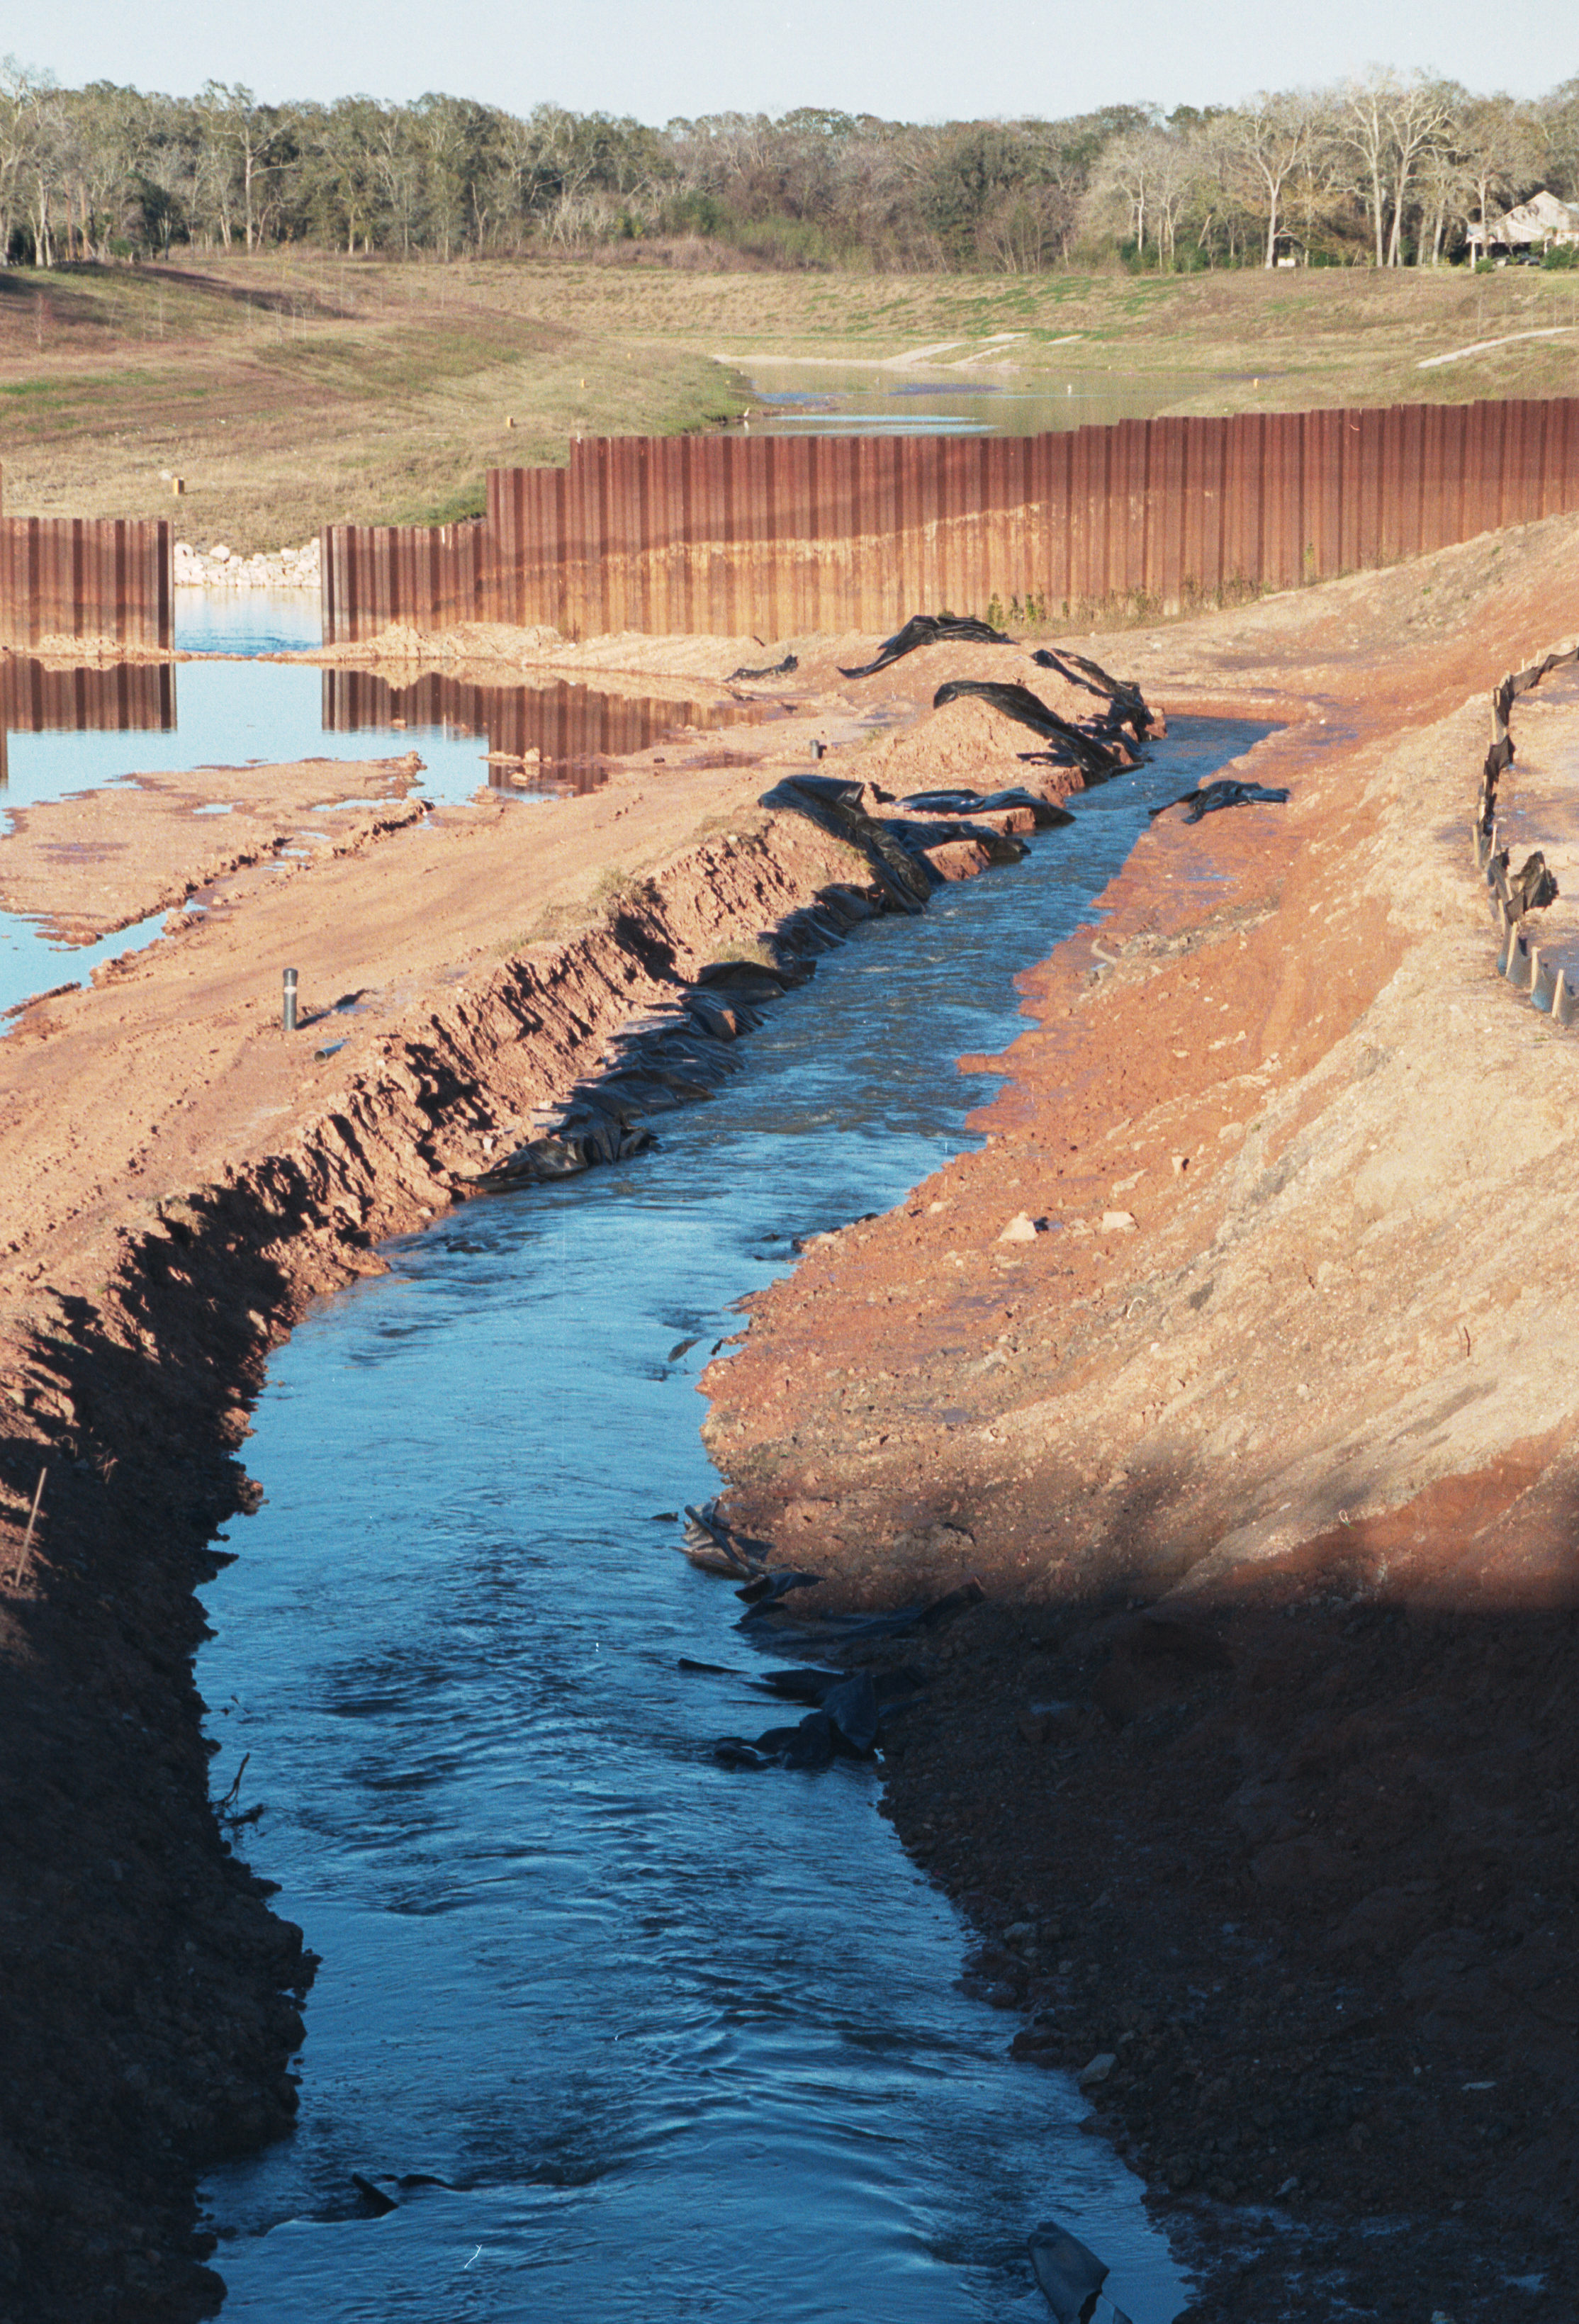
221	568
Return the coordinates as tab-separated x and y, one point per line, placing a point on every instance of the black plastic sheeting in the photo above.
849	1707
1096	760
1129	703
1070	2276
930	630
1515	896
1224	792
1500	757
1046	816
1532	887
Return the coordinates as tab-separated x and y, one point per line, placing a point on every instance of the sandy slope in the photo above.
1284	1078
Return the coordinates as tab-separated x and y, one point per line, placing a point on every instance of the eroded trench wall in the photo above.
780	535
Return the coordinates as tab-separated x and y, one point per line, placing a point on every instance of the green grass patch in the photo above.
459	507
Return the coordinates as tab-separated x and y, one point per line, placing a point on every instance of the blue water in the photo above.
30	963
238	713
683	2043
247	620
234	713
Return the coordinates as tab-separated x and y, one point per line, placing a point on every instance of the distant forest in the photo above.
1385	170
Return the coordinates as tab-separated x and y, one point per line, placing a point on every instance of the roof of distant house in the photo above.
1543	218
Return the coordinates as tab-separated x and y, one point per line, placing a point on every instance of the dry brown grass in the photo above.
291	393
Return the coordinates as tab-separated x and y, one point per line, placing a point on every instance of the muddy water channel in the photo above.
644	2037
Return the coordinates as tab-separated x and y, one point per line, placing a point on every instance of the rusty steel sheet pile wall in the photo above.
111	580
783	536
382	577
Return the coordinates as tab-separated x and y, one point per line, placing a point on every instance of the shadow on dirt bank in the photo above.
148	2003
1288	1879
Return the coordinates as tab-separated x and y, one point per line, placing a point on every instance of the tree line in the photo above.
1390	170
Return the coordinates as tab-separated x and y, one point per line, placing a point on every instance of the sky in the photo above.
906	59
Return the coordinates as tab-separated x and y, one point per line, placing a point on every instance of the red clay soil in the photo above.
1102	1415
1255	1769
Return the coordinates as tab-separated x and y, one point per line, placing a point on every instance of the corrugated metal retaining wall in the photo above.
72	576
780	535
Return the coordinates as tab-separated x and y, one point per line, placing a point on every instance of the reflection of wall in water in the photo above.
570	727
127	697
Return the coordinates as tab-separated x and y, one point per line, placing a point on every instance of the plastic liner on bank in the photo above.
930	630
1225	792
679	1053
1514	895
1099	757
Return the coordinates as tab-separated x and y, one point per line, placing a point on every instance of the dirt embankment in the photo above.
183	1179
1264	1446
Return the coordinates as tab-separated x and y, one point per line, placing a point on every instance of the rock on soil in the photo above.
222	568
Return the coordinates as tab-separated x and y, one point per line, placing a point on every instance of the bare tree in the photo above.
1554	125
1389	125
1150	174
238	132
1223	190
1497	152
13	147
1421	116
1367	132
37	139
1272	136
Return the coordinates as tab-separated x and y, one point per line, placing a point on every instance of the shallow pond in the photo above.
76	730
853	398
682	2042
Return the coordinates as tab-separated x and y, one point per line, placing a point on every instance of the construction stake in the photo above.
32	1518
